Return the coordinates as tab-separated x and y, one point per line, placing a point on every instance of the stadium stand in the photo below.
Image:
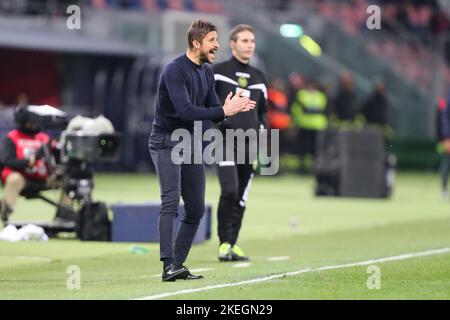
413	28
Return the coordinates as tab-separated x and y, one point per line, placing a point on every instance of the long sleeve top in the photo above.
185	94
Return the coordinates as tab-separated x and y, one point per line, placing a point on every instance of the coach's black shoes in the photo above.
191	276
176	271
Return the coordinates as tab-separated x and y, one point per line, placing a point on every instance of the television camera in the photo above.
69	157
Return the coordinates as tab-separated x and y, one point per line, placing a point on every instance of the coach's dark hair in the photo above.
198	30
239	28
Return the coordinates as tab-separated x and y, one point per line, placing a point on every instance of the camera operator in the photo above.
23	163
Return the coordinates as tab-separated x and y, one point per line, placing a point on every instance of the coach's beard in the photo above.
204	56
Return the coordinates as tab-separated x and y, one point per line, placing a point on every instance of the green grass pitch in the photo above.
285	229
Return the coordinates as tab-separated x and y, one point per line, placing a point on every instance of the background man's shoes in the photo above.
225	252
237	254
5	211
175	271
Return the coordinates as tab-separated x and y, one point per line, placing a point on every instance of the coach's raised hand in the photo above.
235	104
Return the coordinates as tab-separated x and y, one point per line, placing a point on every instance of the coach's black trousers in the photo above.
175	180
235	181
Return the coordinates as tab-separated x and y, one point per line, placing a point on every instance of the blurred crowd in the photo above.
306	107
423	19
414	15
206	6
57	7
414	59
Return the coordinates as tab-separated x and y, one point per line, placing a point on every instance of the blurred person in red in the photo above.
278	116
22	161
278	112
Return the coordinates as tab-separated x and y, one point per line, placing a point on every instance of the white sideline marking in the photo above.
294	273
193	270
30	258
278	258
241	265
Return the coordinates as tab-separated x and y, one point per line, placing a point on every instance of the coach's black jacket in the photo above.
231	75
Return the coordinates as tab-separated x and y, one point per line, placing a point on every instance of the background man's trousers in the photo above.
175	180
14	185
235	181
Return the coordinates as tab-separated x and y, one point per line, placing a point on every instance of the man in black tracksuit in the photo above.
236	75
185	94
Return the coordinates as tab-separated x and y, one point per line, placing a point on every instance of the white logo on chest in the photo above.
242	74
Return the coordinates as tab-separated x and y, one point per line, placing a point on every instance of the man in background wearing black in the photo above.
238	76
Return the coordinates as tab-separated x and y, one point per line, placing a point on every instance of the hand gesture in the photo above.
237	103
447	145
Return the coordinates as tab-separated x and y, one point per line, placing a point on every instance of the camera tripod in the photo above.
76	183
